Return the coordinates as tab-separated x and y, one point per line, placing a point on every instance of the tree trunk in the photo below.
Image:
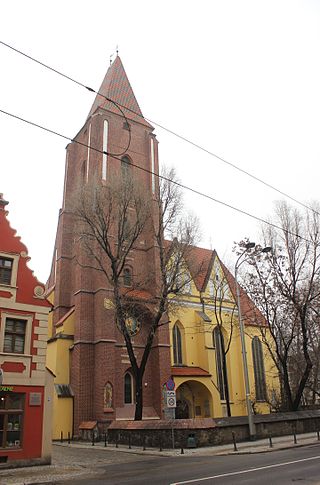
225	373
288	402
139	397
225	381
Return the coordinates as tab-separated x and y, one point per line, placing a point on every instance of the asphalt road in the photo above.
300	465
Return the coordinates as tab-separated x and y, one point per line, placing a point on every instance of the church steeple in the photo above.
116	86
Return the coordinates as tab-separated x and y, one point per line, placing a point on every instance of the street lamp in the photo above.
252	428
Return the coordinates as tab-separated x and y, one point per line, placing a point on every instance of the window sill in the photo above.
14	354
108	410
11	448
4	285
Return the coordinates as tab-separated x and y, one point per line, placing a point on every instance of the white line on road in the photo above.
246	471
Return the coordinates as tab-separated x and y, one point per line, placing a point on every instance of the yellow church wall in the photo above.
198	350
62	417
58	361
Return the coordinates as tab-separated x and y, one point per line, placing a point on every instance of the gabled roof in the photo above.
116	86
28	286
250	313
200	262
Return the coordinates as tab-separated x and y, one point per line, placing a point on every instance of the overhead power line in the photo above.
168	130
182	186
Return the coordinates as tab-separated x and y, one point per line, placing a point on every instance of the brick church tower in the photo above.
99	367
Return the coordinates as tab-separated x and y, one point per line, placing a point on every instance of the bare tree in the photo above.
220	293
112	219
284	285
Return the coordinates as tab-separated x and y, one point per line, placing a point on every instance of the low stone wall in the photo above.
210	432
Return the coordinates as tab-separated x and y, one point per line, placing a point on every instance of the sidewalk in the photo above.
81	460
245	447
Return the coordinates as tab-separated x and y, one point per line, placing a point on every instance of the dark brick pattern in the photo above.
97	353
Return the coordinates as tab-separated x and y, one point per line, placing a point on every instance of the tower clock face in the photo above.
133	326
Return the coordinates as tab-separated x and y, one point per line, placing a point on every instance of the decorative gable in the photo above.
217	284
17	281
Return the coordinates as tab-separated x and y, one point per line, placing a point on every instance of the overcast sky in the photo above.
240	78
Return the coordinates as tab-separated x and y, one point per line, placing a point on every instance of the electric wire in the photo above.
168	130
167	179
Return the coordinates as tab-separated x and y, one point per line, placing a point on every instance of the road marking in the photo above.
246	471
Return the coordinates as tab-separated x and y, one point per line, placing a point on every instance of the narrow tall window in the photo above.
128	389
5	270
14	336
88	153
105	149
125	167
153	183
211	287
177	345
258	367
217	343
84	172
127	277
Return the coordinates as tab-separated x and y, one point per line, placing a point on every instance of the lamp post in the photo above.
252	428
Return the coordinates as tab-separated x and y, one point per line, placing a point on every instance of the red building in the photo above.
25	383
100	374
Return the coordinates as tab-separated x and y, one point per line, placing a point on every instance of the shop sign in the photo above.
6	388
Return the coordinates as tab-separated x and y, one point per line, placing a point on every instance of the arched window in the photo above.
258	367
177	345
218	344
125	167
127	277
128	388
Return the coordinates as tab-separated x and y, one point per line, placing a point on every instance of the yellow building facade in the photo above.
206	352
60	343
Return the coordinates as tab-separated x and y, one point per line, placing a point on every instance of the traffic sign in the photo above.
170	385
171	399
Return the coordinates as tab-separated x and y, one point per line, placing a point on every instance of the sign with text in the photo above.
6	388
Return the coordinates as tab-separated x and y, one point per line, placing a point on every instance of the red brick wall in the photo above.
98	353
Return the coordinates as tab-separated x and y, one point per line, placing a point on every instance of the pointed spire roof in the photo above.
117	87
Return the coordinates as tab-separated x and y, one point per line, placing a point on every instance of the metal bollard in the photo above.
182	450
294	437
270	441
68	437
61	437
92	438
105	439
234	441
129	440
318	435
117	439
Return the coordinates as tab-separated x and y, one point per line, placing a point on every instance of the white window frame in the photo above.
14	271
27	339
